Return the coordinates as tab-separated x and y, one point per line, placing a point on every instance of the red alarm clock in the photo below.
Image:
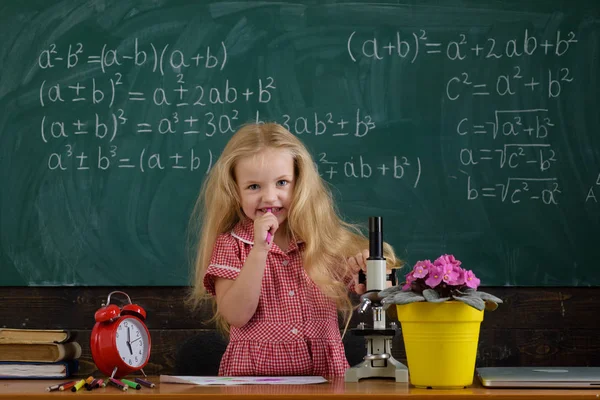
120	341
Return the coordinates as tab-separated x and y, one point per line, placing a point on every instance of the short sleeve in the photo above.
225	262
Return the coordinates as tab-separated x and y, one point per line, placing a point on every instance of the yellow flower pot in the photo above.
441	342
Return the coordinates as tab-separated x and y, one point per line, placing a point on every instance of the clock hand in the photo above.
136	339
129	340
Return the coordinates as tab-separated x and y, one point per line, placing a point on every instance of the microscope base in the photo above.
378	363
393	369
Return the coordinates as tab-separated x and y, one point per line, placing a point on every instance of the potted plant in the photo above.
440	311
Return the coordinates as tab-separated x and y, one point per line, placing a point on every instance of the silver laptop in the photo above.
540	377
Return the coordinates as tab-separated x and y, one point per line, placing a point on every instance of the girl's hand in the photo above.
359	263
263	224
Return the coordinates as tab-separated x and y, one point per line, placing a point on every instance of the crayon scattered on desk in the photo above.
57	386
118	383
67	385
92	385
101	383
131	384
78	385
52	388
145	382
88	381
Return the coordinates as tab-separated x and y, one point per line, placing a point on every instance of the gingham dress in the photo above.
294	330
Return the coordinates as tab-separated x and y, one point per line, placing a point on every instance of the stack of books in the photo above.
37	354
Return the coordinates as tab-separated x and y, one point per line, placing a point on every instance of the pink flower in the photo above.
448	273
440	281
410	278
460	277
435	276
471	280
421	269
447	259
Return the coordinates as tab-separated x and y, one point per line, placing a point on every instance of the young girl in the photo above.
276	257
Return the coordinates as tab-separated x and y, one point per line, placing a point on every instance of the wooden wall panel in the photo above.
74	307
535	326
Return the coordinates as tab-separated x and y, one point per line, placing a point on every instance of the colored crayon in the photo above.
67	385
92	385
52	388
56	387
88	381
269	236
78	385
118	383
131	384
100	383
144	382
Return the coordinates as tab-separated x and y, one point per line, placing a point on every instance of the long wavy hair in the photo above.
312	217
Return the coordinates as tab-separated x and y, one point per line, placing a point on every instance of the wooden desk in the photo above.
379	389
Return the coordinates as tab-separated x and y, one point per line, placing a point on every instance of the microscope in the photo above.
378	362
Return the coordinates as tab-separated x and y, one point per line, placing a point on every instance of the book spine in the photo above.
27	336
70	368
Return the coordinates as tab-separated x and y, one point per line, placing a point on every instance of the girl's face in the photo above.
266	180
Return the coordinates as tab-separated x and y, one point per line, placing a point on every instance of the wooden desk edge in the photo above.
380	389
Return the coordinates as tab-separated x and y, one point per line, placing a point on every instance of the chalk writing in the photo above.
516	189
328	124
411	45
158	59
551	84
591	195
111	157
510	123
217	108
359	167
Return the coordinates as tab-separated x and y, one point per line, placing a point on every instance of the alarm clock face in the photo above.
132	342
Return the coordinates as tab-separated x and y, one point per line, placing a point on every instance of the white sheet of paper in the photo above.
242	380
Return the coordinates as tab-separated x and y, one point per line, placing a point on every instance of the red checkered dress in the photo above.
294	330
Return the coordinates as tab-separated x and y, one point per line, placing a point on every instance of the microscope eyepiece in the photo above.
375	238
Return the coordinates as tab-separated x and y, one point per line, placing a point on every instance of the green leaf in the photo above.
473	301
390	291
440	300
487	296
490	305
402	298
431	295
434	297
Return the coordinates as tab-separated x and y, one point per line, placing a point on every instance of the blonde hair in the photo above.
312	216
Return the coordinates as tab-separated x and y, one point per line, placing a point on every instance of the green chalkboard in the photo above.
470	126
